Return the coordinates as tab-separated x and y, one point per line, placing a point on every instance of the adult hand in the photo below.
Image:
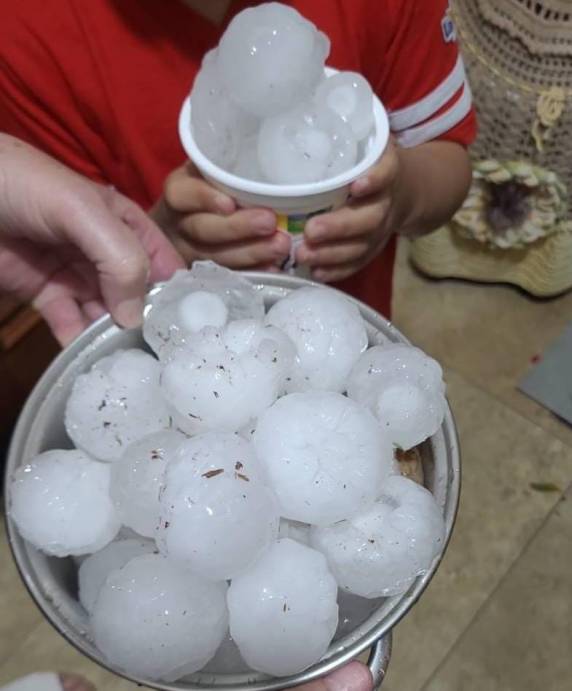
355	676
74	248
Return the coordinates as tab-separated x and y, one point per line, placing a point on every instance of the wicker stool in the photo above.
515	225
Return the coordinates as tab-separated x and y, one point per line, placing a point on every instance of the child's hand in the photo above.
339	243
206	224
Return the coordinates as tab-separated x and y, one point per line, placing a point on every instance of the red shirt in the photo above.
99	83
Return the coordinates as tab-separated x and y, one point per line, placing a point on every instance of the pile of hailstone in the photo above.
263	109
252	459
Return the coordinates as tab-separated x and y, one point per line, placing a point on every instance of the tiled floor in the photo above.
497	616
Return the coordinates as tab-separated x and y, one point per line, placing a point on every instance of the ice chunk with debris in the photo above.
94	570
305	145
328	332
381	551
404	388
60	503
349	95
137	476
216	515
324	456
153	620
283	611
225	379
271	57
162	328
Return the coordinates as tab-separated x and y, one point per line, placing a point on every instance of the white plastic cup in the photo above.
294	205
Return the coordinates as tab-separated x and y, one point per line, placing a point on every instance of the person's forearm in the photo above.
433	181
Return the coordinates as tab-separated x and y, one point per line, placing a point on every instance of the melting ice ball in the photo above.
218	123
153	620
171	320
328	332
404	388
324	456
96	568
283	611
137	476
380	551
117	402
349	95
270	57
228	378
216	515
60	503
305	145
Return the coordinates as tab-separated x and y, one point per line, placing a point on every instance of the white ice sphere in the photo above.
283	611
328	332
295	530
247	165
225	379
96	568
117	402
217	122
270	57
349	95
304	145
200	309
404	388
380	551
216	515
162	328
324	456
137	477
60	503
154	620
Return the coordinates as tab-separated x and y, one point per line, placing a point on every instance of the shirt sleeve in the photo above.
422	81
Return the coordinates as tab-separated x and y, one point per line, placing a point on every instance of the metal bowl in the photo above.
53	582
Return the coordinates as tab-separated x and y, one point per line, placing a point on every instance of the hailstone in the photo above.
60	503
116	403
155	621
283	611
137	476
349	95
96	568
216	515
404	388
380	551
328	332
324	456
167	318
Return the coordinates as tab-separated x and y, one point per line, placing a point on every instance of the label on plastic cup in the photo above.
294	225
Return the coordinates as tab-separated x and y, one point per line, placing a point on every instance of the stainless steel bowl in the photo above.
53	582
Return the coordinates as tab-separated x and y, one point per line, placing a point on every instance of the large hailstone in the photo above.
218	124
227	378
216	515
174	317
60	503
349	95
324	456
116	403
328	332
381	551
156	621
271	57
404	388
283	611
137	476
94	570
305	145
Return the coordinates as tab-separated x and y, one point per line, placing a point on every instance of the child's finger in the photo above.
378	178
332	254
337	273
246	255
186	193
213	229
351	221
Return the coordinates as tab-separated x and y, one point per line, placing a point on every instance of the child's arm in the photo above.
410	191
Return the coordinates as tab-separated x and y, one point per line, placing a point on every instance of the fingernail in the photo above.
316	230
129	313
360	186
264	222
224	204
318	275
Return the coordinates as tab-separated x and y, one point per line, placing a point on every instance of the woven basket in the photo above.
515	225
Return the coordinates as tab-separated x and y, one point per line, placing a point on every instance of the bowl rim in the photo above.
340	651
